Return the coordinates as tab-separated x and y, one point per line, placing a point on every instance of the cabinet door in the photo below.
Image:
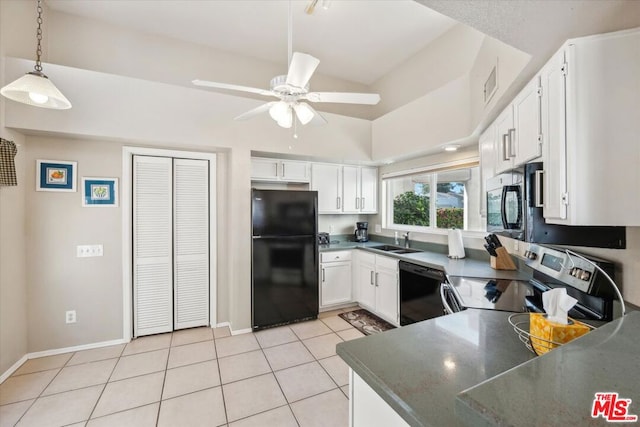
366	285
295	171
387	294
264	169
327	181
351	189
369	190
486	148
504	138
526	118
335	282
553	130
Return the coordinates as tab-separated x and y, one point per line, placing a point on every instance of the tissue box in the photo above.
546	331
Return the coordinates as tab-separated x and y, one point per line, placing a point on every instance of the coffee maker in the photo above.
361	234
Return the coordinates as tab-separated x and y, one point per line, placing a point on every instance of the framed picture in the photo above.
98	192
55	175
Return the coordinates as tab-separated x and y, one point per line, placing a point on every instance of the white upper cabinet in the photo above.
527	142
487	163
327	181
593	171
273	170
504	136
345	189
552	79
360	189
518	139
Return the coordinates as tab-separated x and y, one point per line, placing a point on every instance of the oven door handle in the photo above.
447	307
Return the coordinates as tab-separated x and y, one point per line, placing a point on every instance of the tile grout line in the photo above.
279	386
164	379
224	400
95	405
45	387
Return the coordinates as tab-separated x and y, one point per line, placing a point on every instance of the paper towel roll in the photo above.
456	247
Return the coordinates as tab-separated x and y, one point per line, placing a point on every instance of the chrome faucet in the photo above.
406	239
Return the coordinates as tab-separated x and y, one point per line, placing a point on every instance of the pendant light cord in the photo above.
38	66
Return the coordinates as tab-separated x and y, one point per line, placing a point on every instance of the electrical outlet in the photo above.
70	316
378	228
331	229
84	251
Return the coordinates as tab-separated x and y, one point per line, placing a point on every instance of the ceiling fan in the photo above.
292	90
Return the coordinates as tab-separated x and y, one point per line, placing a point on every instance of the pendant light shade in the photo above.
36	89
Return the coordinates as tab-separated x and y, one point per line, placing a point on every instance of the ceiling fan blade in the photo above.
307	114
254	112
205	83
344	97
301	68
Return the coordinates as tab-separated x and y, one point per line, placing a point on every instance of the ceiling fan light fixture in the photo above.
278	110
287	119
35	88
304	112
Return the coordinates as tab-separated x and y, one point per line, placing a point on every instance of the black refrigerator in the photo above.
284	259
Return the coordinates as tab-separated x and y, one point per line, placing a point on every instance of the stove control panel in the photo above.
559	265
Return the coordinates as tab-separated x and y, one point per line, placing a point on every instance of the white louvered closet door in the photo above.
191	243
152	245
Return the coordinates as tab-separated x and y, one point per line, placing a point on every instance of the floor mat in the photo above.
366	322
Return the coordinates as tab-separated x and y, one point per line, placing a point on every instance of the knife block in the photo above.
503	261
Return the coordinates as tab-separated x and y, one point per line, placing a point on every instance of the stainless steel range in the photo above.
552	268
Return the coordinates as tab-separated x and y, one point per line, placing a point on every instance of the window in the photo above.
443	199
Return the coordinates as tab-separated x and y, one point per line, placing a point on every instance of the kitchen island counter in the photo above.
419	369
558	388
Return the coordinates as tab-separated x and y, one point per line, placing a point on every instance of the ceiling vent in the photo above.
491	84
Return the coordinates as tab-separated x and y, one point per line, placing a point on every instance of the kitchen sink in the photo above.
395	249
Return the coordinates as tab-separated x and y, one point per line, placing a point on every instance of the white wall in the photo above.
13	261
13	281
427	71
423	125
510	63
56	224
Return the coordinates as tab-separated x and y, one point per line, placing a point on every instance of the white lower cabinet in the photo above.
367	408
335	278
377	284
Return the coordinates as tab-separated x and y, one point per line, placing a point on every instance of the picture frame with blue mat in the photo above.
56	175
99	192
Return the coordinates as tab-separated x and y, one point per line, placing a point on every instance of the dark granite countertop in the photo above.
471	266
419	369
558	389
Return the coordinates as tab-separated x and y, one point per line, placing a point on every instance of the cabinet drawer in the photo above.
386	262
335	256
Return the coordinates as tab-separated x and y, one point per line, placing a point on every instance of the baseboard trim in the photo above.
13	368
241	331
57	351
223	324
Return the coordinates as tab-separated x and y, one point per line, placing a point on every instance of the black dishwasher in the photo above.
419	293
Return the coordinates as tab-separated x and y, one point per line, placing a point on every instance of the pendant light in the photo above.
35	88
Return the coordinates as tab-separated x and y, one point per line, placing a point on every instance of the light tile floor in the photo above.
286	376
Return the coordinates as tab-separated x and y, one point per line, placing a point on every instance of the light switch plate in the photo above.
84	251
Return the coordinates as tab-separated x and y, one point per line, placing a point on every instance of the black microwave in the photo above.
512	211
